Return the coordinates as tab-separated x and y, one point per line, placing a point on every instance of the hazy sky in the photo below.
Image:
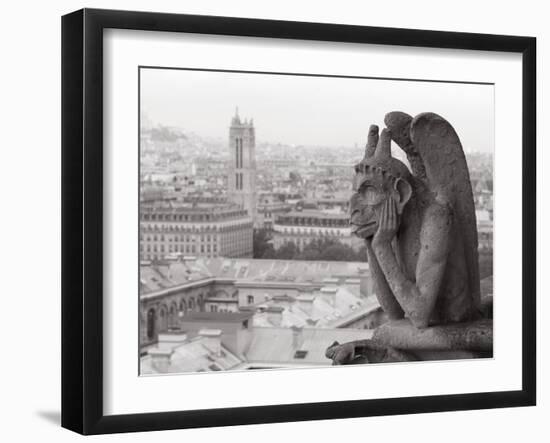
310	110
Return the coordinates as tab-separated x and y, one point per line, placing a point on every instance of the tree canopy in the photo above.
327	249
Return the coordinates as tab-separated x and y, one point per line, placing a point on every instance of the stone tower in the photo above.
242	164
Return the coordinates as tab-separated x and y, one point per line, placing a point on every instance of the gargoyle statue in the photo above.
420	232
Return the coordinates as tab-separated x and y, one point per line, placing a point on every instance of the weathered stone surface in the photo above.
401	334
399	340
420	232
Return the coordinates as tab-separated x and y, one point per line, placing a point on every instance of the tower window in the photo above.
241	153
237	152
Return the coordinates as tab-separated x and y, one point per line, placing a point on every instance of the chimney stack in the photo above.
171	339
305	302
275	315
297	337
213	340
160	358
329	294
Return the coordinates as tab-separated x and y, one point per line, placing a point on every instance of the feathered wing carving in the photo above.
438	159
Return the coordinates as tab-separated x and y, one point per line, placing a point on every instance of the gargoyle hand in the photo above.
340	354
387	227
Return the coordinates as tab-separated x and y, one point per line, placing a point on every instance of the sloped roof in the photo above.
332	309
218	317
279	345
273	346
281	270
193	356
171	273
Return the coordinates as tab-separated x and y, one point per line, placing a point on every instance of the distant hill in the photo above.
165	134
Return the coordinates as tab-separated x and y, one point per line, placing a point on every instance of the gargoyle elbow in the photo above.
419	321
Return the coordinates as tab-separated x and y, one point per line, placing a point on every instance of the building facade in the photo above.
204	230
242	164
278	292
302	227
269	208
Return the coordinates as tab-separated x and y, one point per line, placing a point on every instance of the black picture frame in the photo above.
82	220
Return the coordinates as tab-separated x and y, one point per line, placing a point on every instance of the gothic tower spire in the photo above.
242	164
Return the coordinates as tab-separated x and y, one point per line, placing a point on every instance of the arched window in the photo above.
183	308
191	304
173	318
200	302
241	155
162	319
151	324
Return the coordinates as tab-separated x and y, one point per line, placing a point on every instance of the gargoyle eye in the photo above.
370	195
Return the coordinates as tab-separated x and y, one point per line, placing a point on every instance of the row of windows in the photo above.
183	238
190	217
194	229
154	251
268	214
203	239
235	251
164	318
314	231
179	248
300	241
314	222
215	308
154	257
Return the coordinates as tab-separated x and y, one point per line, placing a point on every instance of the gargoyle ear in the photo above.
404	192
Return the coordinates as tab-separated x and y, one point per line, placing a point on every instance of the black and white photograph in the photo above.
290	220
268	222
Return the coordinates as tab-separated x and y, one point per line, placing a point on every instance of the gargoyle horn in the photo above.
383	149
372	141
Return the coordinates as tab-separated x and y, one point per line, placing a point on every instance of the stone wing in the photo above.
447	175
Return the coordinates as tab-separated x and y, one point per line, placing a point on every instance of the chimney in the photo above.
160	358
305	302
212	340
171	339
275	315
329	294
297	337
